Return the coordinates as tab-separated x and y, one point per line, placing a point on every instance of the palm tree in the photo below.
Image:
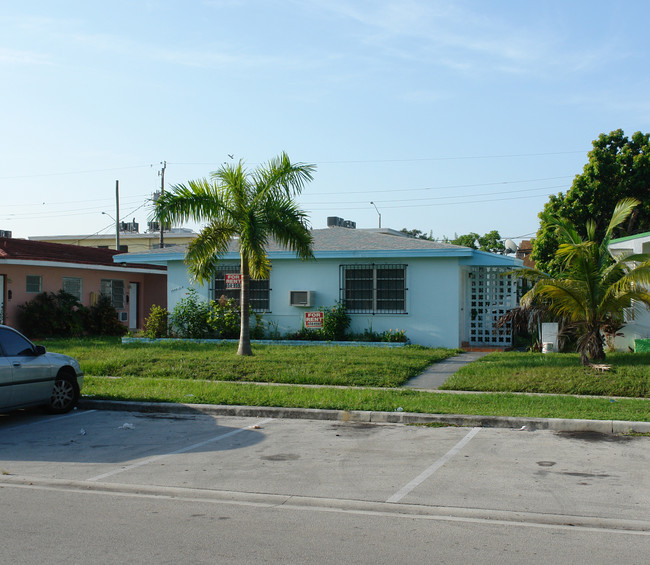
594	288
248	208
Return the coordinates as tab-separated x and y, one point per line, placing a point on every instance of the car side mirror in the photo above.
40	350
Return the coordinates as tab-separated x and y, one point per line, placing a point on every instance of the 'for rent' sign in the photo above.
314	320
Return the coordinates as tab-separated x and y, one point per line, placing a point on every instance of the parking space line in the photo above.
55	419
181	450
433	468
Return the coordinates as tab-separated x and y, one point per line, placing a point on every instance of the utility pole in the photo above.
162	193
117	215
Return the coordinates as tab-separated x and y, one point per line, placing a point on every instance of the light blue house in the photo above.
440	294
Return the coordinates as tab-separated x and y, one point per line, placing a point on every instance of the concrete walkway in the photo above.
436	375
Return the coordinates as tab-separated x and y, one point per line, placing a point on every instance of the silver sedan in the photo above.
30	376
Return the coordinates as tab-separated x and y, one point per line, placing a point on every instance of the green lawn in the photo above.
213	374
321	365
555	373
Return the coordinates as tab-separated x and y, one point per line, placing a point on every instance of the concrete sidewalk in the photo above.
436	375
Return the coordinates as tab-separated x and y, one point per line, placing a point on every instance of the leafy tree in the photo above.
417	234
249	206
592	288
491	241
618	168
467	240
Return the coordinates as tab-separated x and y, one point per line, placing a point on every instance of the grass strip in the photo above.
321	365
501	404
555	373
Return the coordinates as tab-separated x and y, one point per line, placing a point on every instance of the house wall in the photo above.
638	326
151	286
432	297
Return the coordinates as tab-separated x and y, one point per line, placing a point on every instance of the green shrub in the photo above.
102	319
189	318
157	323
224	318
394	336
52	315
336	321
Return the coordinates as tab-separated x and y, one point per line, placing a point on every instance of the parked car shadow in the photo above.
98	436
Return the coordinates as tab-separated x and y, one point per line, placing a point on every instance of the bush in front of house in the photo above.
52	315
189	318
101	319
195	318
157	323
60	314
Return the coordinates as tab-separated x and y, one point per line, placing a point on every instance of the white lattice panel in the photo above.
492	294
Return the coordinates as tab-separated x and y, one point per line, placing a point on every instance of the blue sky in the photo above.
451	116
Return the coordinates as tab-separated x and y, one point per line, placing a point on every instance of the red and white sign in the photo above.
232	281
314	320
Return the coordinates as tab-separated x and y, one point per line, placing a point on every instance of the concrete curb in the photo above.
528	424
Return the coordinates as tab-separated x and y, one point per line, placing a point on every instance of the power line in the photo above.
419	199
411	159
85	172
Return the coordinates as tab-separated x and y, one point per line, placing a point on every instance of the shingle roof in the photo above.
24	249
346	239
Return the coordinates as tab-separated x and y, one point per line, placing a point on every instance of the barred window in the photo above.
259	289
114	289
33	283
72	285
373	289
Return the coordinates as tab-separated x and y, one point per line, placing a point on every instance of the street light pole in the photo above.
377	213
117	215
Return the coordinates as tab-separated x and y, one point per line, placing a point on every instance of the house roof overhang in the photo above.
465	255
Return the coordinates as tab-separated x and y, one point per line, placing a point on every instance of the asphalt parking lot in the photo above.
585	475
586	483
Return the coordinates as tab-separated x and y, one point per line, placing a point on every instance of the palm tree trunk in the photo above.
244	304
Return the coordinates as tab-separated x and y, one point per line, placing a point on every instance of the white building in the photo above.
637	317
441	294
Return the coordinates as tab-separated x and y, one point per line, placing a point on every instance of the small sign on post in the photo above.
232	281
314	320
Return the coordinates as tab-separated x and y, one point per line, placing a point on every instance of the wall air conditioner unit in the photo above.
301	298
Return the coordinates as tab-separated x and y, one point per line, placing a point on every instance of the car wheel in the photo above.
65	394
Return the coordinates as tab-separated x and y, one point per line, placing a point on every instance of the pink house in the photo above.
28	268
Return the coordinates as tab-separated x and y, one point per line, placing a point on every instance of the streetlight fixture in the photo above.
378	213
117	230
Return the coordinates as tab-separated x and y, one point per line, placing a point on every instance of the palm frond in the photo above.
205	251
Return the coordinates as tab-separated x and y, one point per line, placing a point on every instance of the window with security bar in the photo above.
113	289
373	289
259	289
73	286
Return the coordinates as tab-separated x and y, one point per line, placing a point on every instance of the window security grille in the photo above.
373	289
114	289
259	290
72	286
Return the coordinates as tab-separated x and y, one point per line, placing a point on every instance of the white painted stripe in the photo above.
431	470
181	450
55	419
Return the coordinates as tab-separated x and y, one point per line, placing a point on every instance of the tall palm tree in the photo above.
594	288
249	208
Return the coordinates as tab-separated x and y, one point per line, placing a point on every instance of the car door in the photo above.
6	381
32	379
